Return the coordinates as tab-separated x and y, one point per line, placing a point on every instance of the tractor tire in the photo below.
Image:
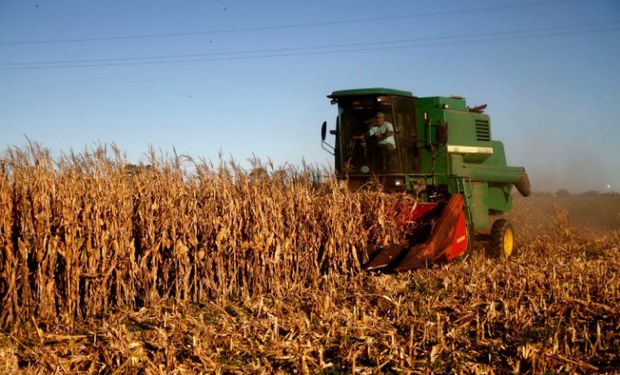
502	239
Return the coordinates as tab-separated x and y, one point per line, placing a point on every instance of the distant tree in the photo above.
591	193
134	169
542	194
562	193
258	173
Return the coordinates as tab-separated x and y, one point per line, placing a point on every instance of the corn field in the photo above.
107	267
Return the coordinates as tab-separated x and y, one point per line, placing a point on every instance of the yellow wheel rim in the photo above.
508	242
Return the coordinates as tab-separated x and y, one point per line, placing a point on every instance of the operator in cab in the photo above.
383	132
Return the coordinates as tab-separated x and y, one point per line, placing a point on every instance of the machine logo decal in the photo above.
456	149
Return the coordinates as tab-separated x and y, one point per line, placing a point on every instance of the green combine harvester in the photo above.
440	151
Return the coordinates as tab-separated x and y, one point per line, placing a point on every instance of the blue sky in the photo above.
250	78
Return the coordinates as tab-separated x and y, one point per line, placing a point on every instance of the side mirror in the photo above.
442	133
325	146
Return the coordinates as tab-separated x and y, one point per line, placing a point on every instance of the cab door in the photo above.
405	133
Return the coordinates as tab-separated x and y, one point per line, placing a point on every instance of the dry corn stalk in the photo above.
87	233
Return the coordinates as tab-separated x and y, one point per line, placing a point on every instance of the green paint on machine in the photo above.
442	147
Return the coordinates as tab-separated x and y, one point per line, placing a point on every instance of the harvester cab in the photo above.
440	151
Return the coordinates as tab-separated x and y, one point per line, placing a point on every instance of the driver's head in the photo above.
380	118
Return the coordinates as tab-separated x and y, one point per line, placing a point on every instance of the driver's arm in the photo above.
388	133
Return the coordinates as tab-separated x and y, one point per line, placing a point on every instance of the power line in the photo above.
290	54
285	26
326	49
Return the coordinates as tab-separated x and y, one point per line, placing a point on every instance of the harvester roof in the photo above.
369	91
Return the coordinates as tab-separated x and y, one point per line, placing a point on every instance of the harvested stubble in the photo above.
245	306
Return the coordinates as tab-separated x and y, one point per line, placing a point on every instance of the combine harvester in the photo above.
440	151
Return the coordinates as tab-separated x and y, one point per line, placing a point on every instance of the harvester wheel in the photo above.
502	239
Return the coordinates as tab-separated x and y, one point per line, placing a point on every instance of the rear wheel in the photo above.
502	239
